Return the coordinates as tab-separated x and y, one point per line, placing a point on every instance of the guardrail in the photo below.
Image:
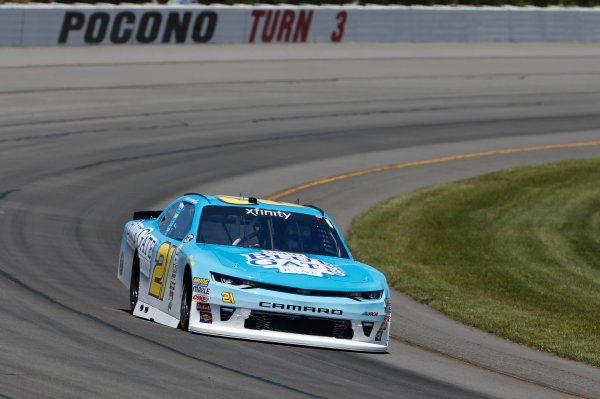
59	25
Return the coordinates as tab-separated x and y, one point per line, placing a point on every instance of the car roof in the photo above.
227	200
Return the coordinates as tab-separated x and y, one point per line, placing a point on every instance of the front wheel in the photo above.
186	300
134	284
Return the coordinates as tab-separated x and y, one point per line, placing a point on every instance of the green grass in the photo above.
515	253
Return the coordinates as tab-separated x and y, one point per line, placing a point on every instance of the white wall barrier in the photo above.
52	25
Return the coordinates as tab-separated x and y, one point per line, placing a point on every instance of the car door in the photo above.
164	276
152	285
180	234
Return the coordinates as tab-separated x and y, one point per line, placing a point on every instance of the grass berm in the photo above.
515	253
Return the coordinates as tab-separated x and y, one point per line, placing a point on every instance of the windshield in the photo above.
270	229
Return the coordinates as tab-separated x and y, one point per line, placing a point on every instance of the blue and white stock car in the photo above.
253	269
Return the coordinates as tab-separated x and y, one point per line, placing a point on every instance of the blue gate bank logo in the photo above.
292	263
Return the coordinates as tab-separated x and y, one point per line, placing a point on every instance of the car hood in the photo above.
314	272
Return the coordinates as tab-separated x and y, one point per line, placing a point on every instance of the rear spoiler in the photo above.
146	215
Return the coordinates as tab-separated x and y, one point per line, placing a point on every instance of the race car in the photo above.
253	269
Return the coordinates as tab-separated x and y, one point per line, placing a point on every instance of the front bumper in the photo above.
264	315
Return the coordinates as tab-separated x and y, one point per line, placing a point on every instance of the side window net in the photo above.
165	219
182	222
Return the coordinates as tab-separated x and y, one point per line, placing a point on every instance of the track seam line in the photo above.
485	368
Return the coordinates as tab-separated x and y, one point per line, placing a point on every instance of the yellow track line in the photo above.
318	182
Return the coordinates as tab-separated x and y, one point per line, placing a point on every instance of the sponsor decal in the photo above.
372	314
267	212
171	293
132	232
298	308
192	200
227	297
379	334
233	200
201	298
386	321
146	27
172	285
204	307
292	263
241	201
142	238
388	306
329	223
269	202
200	289
146	242
177	252
201	281
189	238
206	317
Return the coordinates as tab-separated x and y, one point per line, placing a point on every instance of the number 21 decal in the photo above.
227	297
161	268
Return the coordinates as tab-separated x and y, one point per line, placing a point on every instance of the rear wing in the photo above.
138	215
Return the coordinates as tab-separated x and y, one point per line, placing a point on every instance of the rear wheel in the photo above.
186	300
134	284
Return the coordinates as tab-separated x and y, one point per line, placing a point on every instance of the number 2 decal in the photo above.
337	35
161	268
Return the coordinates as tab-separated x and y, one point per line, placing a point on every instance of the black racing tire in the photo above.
134	284
186	303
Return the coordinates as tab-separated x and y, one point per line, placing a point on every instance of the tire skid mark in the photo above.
519	76
163	85
200	148
7	193
90	131
476	101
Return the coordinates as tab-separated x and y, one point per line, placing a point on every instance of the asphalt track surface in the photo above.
88	135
